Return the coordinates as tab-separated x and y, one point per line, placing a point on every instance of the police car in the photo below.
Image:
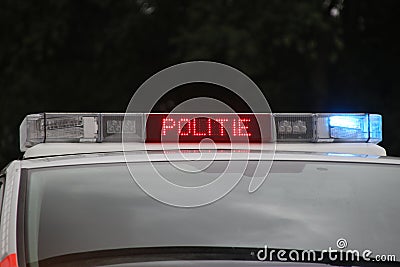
330	197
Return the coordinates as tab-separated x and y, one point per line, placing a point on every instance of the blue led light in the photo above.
349	127
347	121
356	127
375	128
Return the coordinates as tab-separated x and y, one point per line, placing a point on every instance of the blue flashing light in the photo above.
375	128
347	121
356	127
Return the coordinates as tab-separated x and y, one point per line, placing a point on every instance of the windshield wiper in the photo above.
152	254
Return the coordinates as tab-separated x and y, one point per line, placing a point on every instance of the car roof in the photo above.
90	155
58	149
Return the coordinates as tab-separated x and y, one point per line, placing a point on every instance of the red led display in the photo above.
224	128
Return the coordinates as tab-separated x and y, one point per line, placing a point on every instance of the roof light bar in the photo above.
185	127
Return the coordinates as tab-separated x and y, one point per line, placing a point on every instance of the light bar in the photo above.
193	128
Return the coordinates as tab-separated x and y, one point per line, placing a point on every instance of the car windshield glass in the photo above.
301	205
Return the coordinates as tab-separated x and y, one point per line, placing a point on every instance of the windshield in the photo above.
301	205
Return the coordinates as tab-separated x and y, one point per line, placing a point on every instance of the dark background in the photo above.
306	56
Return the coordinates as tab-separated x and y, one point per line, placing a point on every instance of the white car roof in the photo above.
48	155
58	149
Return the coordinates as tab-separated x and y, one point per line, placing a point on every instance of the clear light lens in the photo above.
113	125
31	131
294	127
80	127
58	128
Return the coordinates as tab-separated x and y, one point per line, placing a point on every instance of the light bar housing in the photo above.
142	127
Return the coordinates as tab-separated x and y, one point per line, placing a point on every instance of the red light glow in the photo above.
199	127
188	128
